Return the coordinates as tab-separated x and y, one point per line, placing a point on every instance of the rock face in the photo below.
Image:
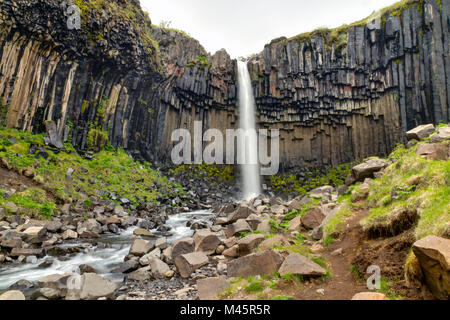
433	254
263	263
335	98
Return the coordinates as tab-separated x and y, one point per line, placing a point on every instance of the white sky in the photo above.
243	27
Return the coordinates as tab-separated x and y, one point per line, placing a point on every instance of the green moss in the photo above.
287	183
113	171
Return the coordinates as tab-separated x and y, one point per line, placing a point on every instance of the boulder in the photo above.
237	228
443	133
182	246
206	241
249	243
294	205
12	295
145	260
69	234
420	132
143	233
278	240
140	247
47	293
53	226
263	263
209	288
253	221
17	252
232	252
321	192
295	224
161	243
433	254
35	232
367	169
317	233
91	225
433	151
313	218
11	243
265	226
297	264
187	263
56	281
142	274
369	296
113	220
278	209
52	138
243	212
127	267
95	286
159	268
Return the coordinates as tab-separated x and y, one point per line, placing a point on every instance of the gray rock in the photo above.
182	246
237	228
95	286
12	295
249	243
368	168
443	133
141	247
209	288
421	132
187	263
297	264
263	263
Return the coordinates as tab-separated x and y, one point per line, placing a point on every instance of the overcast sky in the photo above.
243	27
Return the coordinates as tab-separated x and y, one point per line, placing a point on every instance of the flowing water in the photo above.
250	168
103	259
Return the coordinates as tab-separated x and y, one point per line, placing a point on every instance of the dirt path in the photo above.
343	284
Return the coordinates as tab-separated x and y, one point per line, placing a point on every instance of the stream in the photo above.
108	253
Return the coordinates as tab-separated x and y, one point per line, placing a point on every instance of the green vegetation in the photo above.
386	289
109	173
201	61
288	183
120	11
282	298
32	202
215	174
412	183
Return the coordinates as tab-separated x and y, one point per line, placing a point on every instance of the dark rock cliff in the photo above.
353	91
336	95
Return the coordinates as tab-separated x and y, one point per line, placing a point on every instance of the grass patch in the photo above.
111	174
280	298
412	183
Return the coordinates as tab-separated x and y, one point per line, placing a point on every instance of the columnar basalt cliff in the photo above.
336	95
353	91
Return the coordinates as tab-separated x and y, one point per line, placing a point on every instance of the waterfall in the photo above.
249	169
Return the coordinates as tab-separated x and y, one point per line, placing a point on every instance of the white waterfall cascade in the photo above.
250	169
